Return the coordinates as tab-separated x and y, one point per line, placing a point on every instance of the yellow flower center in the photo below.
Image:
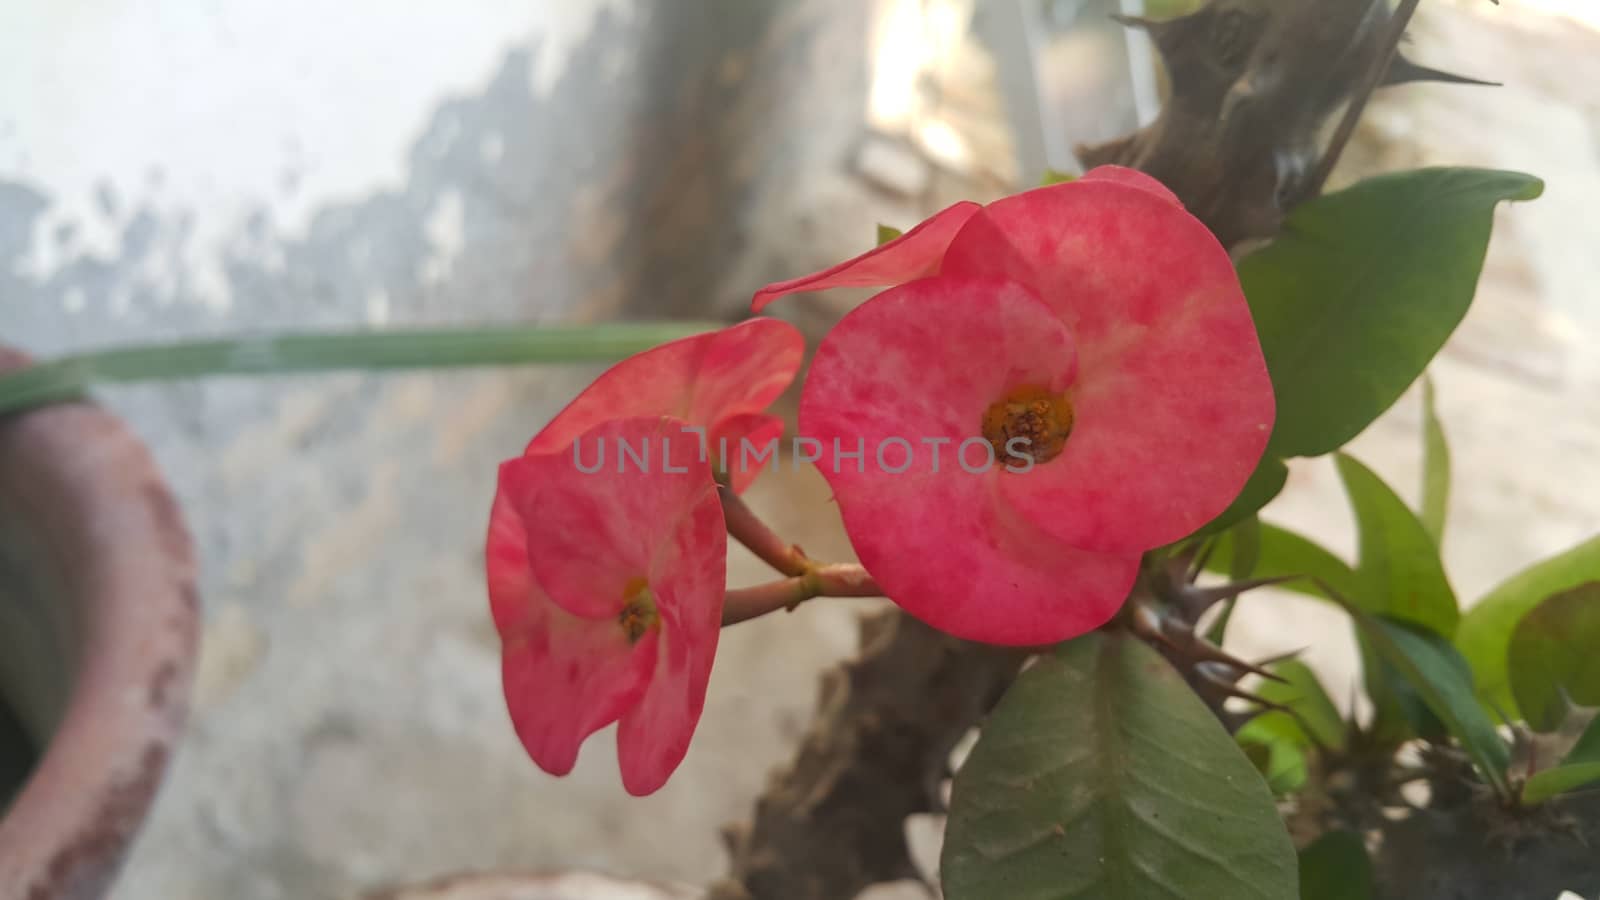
639	613
1029	421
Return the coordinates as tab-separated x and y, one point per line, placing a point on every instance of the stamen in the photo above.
639	613
1037	420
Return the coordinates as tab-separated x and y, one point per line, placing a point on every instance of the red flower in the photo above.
720	383
1096	327
605	572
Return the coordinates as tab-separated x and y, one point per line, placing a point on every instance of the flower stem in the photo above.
747	528
830	580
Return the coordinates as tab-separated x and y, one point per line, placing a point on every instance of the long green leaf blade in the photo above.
1442	681
1544	785
71	376
1398	563
1435	466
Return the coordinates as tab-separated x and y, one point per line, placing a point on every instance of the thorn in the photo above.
1282	657
1235	588
1195	601
1141	22
1203	651
1208	674
1148	624
1404	71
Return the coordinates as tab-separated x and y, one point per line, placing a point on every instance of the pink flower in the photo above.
606	584
1095	326
720	383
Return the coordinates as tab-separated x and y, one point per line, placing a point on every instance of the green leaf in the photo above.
1336	867
1362	289
69	377
1319	722
1544	785
1283	553
1587	749
1435	467
1244	546
1552	658
1581	767
1282	764
1101	776
1398	563
1051	176
1277	742
887	233
1442	681
1485	632
1265	483
1245	539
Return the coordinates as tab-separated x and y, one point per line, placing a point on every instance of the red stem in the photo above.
746	528
831	580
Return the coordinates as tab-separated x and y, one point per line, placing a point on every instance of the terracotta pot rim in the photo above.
92	499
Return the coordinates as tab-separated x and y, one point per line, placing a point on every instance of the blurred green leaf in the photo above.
1278	742
69	377
1318	722
1435	467
1336	867
1051	176
1552	658
1282	763
887	233
1362	289
1587	749
1398	563
1245	540
1484	636
1580	767
1244	545
1101	774
1442	681
1280	553
1544	785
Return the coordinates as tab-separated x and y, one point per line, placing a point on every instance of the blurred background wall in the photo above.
233	165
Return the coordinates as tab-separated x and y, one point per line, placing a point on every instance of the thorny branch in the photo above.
1253	86
1388	46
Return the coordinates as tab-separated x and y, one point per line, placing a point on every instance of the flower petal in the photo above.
1132	178
744	439
591	533
688	576
924	361
1173	403
702	380
564	677
921	363
911	255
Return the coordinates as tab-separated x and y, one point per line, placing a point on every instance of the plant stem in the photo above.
831	580
747	528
